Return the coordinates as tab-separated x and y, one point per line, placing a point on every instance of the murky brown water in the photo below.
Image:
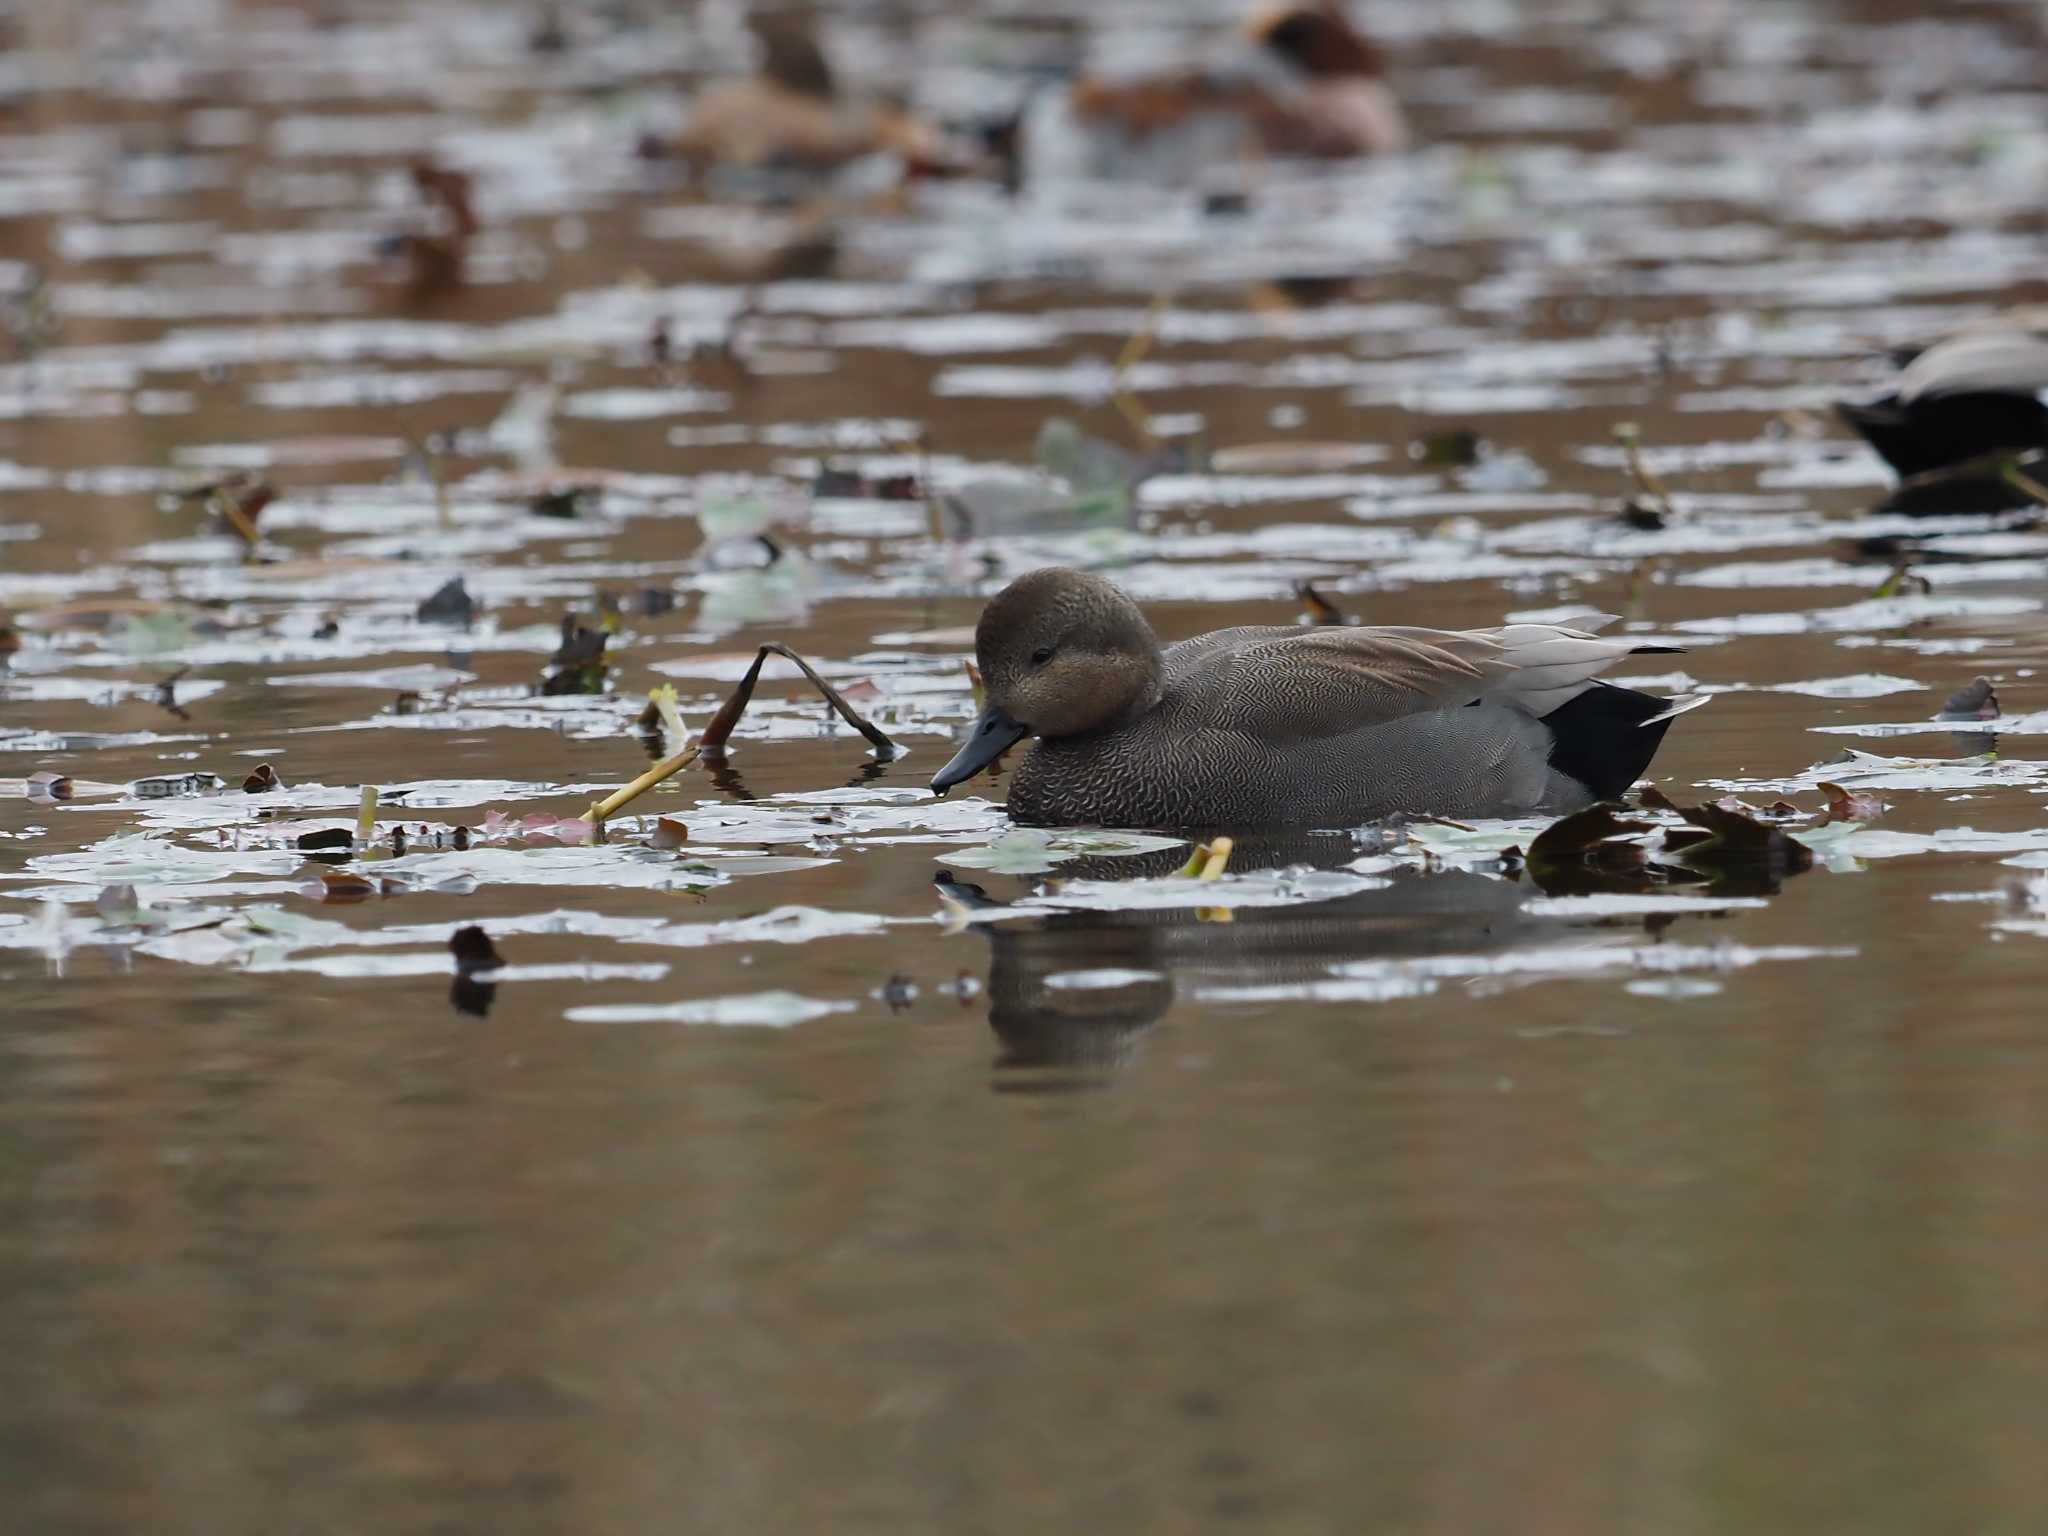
1411	1200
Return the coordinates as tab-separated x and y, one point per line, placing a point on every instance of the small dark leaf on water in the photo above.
1847	805
1455	449
567	502
473	950
48	786
328	629
578	661
580	645
326	839
1654	799
567	681
1321	610
1977	701
450	604
262	780
668	835
1644	516
1580	835
1784	808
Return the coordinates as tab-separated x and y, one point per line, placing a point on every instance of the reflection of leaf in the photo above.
1738	836
1588	836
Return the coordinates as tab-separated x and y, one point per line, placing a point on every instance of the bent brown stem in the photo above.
721	727
729	713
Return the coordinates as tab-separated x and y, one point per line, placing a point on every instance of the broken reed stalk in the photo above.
729	713
667	714
2023	482
228	508
1639	471
618	798
721	726
1134	353
1999	464
430	461
366	818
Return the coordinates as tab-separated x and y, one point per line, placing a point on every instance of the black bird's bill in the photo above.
992	734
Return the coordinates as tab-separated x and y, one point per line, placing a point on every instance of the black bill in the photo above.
992	734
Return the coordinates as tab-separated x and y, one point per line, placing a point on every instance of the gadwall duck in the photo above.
1295	80
1278	728
792	115
1976	391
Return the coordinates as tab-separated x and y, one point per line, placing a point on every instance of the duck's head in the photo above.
1347	107
1061	653
1317	39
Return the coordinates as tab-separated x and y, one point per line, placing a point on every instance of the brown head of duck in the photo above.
1334	101
1343	105
1062	654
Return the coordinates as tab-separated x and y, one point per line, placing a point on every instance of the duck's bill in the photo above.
992	734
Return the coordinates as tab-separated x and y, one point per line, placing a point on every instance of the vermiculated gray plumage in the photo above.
1266	728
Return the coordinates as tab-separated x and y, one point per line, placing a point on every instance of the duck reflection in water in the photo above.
1073	995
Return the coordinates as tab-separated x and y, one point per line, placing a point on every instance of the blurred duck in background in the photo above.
791	115
1973	393
1297	80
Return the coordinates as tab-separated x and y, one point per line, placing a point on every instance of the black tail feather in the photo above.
1601	740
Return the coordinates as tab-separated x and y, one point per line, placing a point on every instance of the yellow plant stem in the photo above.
611	804
1218	855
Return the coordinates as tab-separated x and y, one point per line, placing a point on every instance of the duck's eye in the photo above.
1041	656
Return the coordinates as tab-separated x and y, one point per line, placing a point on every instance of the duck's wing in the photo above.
2009	360
1290	685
